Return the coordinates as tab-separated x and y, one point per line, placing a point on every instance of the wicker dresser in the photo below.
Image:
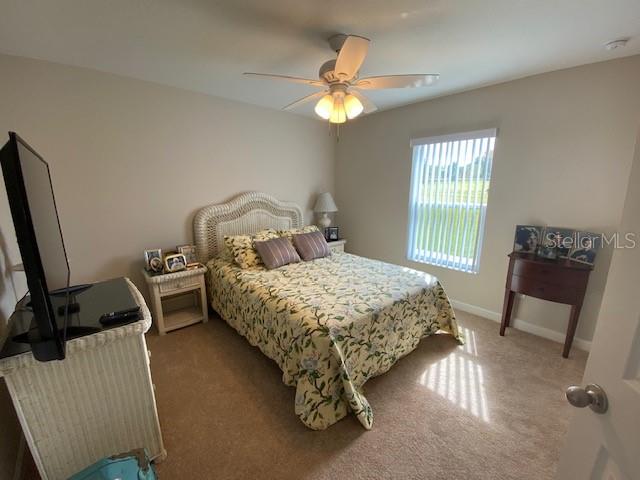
97	402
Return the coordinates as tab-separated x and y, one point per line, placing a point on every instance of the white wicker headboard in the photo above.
247	213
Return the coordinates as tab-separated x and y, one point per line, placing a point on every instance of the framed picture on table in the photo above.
527	238
175	262
585	248
557	242
331	234
149	255
189	251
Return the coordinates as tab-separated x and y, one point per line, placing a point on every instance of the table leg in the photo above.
509	295
156	307
203	300
571	329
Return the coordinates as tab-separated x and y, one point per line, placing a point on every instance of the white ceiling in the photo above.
205	45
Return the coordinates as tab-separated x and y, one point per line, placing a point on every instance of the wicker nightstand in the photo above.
337	246
178	299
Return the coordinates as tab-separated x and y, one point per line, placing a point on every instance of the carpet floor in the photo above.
491	409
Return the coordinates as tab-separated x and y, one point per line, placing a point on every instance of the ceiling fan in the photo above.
341	98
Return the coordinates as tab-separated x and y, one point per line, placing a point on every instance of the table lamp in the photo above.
324	205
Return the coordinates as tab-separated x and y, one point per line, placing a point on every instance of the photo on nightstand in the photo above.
149	255
175	262
331	234
189	251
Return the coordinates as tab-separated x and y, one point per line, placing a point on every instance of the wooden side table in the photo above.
337	246
560	281
178	299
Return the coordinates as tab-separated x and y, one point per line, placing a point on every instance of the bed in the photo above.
331	323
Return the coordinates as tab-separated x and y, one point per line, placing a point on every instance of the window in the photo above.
448	201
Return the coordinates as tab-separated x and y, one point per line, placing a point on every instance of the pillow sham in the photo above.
266	234
276	252
297	231
311	245
242	249
224	252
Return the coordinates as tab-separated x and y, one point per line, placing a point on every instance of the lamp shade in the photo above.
324	107
325	203
338	114
352	106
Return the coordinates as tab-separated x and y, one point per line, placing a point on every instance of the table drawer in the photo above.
179	284
549	273
546	291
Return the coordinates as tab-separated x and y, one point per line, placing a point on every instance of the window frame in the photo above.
435	258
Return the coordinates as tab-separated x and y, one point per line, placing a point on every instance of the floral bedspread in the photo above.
331	324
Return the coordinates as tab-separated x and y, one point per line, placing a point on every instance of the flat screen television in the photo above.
35	218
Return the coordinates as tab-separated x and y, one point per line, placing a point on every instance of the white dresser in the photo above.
97	402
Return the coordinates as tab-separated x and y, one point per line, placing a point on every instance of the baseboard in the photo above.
523	325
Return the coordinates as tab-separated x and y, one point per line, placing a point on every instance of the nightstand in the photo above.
337	246
178	299
560	281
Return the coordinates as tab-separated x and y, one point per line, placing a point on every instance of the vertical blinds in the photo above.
450	178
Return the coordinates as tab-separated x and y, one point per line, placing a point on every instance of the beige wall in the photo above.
132	161
563	157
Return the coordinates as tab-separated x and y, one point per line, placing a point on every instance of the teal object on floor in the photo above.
132	465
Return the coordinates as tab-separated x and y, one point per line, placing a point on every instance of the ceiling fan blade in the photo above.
352	54
368	105
397	81
304	81
304	100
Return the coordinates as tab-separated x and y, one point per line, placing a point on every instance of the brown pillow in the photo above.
276	252
311	245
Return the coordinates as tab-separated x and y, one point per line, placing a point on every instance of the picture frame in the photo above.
156	265
585	248
151	254
559	238
546	252
331	234
190	252
175	262
527	238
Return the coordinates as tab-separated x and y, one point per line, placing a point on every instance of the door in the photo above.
607	446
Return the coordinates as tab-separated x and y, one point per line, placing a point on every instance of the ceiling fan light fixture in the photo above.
324	107
338	114
336	101
352	106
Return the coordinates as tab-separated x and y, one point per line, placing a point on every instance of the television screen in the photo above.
44	217
35	218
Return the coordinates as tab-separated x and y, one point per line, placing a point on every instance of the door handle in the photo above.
592	396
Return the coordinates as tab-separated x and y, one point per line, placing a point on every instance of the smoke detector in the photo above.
613	44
